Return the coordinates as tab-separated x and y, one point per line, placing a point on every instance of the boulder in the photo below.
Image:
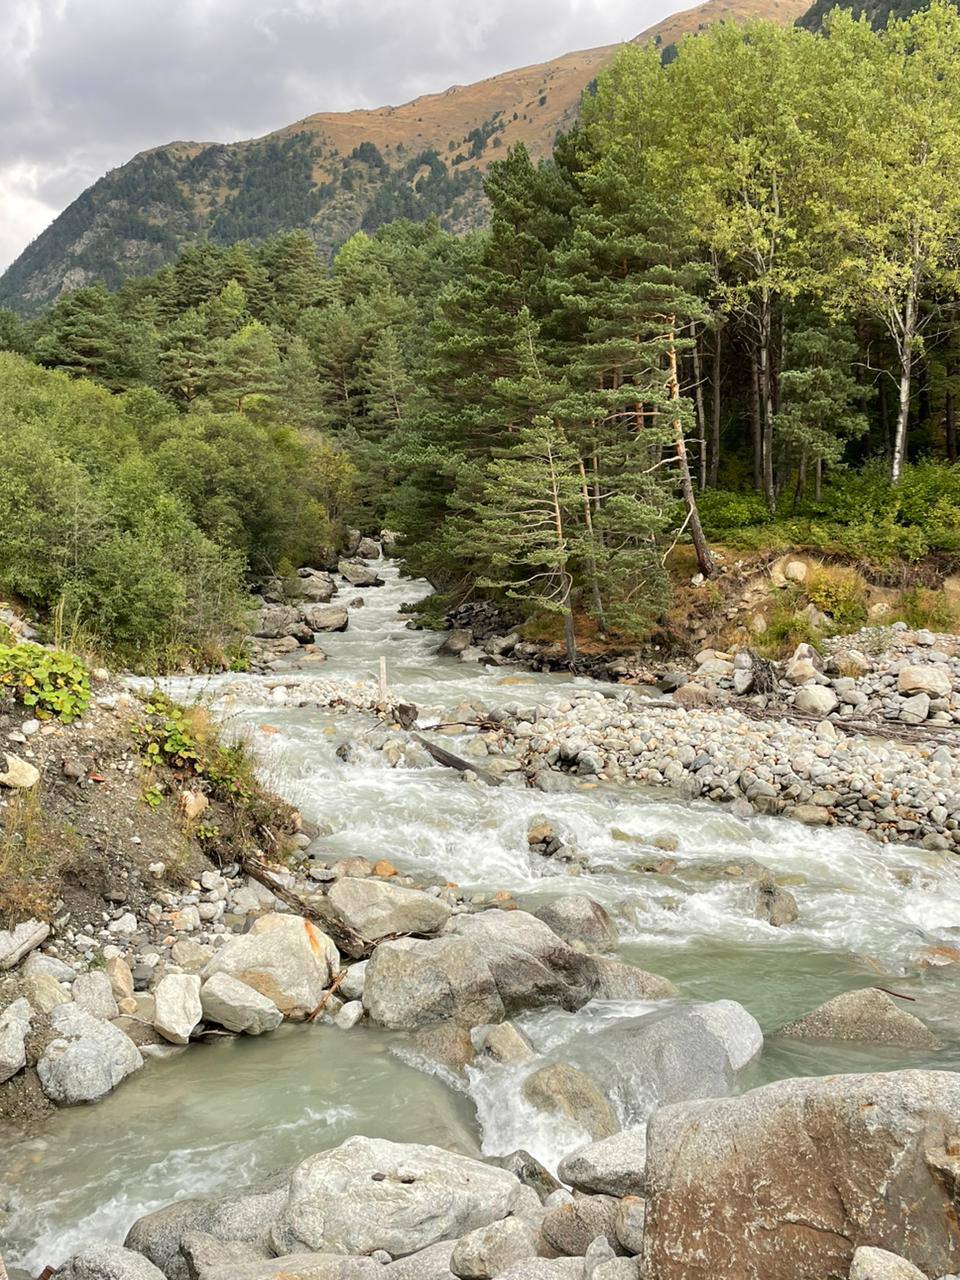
93	993
86	1060
619	981
614	1166
20	774
545	1269
285	958
560	1089
816	700
454	643
503	1042
915	710
44	992
359	575
244	1218
372	1194
321	618
571	1225
233	1004
17	942
14	1028
432	1263
37	962
488	1251
866	1016
689	1052
108	1262
317	587
577	918
845	1160
120	977
925	678
369	549
803	664
275	621
375	908
773	903
530	964
481	969
878	1264
177	1009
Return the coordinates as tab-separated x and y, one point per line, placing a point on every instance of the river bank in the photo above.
675	888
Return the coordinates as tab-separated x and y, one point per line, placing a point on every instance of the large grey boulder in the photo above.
369	549
14	1027
284	957
690	1052
619	981
15	943
614	1166
275	621
177	1009
488	1251
86	1059
375	908
480	969
320	618
578	919
359	575
878	1264
545	1269
432	1263
232	1004
865	1016
371	1194
316	586
530	964
108	1262
816	700
845	1161
560	1089
243	1218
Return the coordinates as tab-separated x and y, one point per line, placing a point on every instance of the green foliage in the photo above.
55	684
786	628
842	594
919	608
724	511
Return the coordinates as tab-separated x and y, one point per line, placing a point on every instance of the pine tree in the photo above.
83	335
245	370
184	358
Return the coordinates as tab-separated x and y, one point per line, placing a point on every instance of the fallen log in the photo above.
450	761
317	908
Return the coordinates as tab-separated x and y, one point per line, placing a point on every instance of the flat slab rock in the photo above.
17	942
846	1161
370	1194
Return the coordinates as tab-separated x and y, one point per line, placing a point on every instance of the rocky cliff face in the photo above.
332	173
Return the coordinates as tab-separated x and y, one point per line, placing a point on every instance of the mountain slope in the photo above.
877	12
331	173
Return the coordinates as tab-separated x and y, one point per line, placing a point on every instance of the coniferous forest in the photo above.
726	312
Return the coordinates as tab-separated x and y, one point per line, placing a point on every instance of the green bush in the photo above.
722	510
53	683
842	594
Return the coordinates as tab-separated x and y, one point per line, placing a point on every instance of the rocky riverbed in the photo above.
640	1000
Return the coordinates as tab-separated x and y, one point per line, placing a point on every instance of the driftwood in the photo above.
317	908
450	761
941	735
330	991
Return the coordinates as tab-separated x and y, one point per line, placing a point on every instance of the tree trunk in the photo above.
950	416
766	407
905	345
818	480
699	408
591	558
569	635
715	411
755	425
704	558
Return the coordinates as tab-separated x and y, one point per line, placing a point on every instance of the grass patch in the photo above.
34	856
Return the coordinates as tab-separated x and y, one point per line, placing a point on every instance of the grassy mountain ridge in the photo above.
331	173
877	12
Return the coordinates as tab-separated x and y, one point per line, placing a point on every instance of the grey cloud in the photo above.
88	83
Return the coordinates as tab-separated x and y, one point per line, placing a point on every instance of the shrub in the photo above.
723	510
52	682
786	628
842	594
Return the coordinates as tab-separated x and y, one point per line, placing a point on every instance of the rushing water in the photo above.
220	1115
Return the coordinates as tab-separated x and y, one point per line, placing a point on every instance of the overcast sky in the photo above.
85	84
